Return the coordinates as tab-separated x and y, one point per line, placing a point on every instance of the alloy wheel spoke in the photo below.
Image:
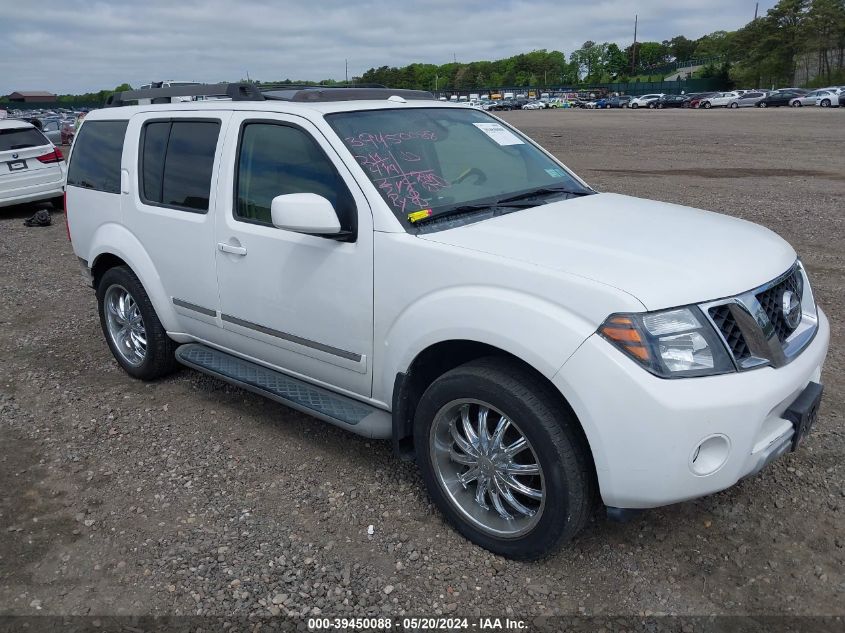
483	434
499	433
522	469
465	446
468	430
469	476
461	458
480	493
518	446
507	495
495	496
521	488
114	311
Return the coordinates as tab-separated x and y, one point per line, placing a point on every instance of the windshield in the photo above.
427	162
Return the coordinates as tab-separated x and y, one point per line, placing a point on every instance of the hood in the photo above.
664	254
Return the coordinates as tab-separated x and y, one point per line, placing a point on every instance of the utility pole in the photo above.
634	47
756	8
346	63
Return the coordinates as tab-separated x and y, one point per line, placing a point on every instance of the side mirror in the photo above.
304	213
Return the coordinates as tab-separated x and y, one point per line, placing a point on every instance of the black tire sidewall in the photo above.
159	360
564	483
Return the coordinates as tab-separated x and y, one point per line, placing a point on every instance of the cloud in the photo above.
86	45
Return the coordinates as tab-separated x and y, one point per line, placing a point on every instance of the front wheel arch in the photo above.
436	360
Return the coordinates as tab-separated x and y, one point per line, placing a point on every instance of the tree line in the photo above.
796	38
767	51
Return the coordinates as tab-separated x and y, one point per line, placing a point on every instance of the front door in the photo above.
302	303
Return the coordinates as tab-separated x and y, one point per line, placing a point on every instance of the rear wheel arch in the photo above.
102	264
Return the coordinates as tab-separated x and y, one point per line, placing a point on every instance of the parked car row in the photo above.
794	97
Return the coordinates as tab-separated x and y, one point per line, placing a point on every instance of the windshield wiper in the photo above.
470	208
542	191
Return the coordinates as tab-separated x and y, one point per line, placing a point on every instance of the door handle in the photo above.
234	250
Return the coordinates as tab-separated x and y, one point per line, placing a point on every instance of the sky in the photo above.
76	46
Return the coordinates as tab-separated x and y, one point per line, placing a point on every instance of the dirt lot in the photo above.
189	496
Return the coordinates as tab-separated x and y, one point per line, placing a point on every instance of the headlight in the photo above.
671	344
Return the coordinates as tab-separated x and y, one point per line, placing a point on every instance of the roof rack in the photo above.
278	92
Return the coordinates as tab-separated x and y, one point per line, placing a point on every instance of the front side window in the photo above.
427	162
276	159
177	159
97	151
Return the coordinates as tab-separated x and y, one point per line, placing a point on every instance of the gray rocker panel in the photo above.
347	413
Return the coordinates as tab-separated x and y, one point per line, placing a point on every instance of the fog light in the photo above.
710	455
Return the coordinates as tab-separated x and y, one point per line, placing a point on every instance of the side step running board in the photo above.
352	415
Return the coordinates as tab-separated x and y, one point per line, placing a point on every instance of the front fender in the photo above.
115	239
539	332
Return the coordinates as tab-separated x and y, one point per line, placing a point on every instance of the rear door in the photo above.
28	163
168	205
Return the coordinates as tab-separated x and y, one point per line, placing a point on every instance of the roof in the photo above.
33	93
9	124
284	107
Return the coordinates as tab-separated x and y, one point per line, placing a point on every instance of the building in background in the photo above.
32	96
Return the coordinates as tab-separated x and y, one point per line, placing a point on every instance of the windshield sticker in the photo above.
398	172
500	134
422	214
554	173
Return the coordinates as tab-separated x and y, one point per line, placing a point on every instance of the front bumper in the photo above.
644	431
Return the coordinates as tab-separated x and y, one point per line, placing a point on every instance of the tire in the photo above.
825	103
707	105
554	443
158	358
762	104
633	106
734	106
660	107
58	203
651	106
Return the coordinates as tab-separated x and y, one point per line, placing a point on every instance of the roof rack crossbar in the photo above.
244	91
235	91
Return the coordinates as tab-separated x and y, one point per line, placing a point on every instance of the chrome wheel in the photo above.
487	468
125	325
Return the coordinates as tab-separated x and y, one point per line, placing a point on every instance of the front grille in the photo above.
771	301
727	325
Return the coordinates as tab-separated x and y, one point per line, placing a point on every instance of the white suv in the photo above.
645	101
31	167
719	100
413	270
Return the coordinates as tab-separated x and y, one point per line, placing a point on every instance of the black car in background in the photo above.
779	98
619	101
671	101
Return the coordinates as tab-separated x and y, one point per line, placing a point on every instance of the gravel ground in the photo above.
188	496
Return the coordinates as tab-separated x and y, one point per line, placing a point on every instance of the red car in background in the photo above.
67	132
696	99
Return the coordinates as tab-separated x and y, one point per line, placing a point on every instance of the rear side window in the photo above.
21	138
95	161
177	158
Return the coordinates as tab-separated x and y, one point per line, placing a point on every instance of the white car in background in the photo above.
31	167
645	101
720	100
809	99
831	99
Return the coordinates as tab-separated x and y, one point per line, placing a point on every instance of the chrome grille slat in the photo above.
752	324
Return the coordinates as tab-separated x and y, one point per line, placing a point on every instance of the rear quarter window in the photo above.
95	161
21	138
